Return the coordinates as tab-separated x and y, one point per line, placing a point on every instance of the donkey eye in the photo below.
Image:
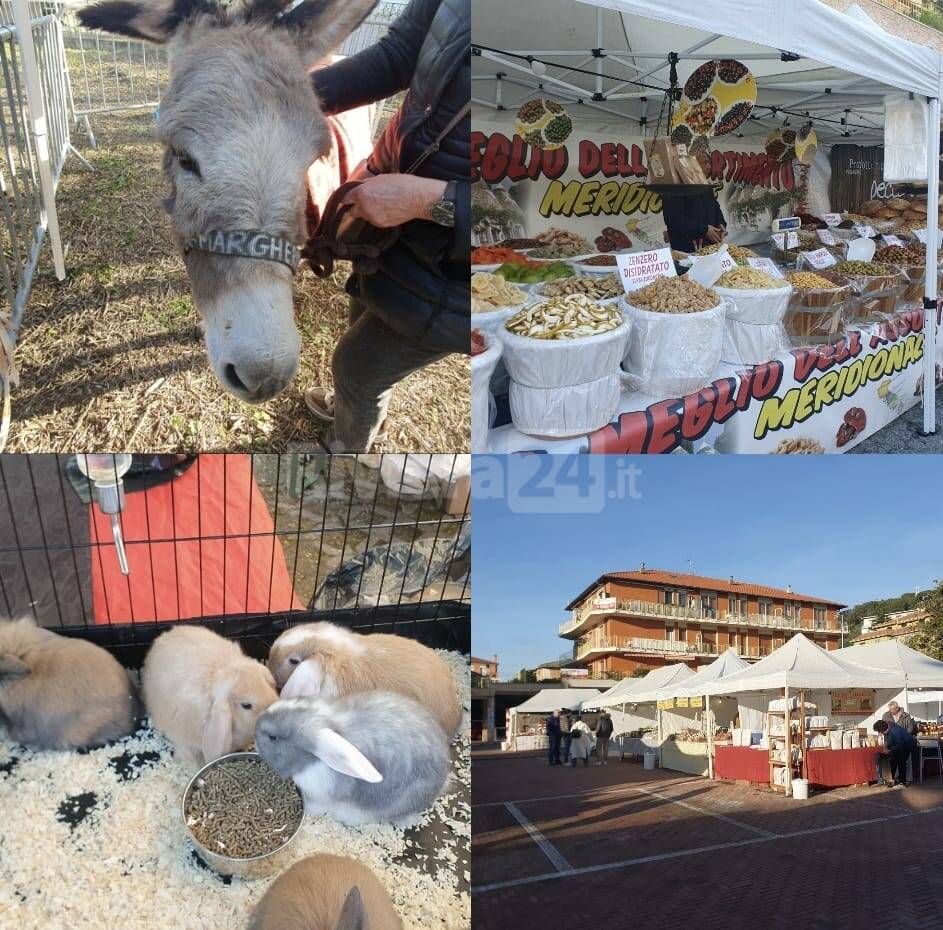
247	707
188	163
294	661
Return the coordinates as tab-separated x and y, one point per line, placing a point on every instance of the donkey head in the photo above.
240	124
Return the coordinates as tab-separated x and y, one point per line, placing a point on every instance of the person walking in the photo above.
415	309
566	723
603	735
896	714
553	734
579	746
898	746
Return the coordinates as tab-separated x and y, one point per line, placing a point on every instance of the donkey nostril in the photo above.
232	376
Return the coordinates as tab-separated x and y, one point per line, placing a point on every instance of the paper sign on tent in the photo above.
636	269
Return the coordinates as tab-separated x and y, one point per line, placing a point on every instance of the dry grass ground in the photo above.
113	357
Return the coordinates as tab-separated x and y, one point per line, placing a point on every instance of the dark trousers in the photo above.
915	763
585	762
899	759
369	360
553	755
567	739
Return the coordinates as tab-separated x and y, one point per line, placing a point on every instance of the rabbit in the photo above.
362	758
326	660
57	692
204	693
326	892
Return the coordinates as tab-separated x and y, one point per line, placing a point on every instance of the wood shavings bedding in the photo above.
94	841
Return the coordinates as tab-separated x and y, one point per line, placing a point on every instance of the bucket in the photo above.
649	760
800	789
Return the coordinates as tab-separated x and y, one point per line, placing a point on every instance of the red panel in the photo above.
740	763
832	768
217	496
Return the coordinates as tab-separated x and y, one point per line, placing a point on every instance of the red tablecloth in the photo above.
742	764
833	768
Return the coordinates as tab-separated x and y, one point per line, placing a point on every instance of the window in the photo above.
787	608
738	604
765	608
669	596
682	598
709	605
818	615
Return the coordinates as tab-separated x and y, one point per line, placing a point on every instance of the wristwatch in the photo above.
443	210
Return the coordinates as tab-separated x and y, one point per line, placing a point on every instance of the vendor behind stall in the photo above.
693	221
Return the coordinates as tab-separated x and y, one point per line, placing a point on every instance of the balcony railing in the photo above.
648	646
671	612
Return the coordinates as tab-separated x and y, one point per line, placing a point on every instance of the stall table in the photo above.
684	756
741	763
835	768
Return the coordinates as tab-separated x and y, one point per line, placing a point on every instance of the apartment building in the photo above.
626	623
900	625
486	668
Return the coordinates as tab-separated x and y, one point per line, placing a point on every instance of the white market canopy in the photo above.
721	667
642	690
919	670
551	699
800	663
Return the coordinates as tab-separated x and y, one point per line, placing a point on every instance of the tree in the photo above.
525	676
929	637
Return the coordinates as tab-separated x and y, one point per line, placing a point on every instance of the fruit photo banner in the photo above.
595	182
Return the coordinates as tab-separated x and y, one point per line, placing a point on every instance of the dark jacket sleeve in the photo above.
719	218
677	216
381	70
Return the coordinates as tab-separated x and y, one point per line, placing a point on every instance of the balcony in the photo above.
585	618
600	645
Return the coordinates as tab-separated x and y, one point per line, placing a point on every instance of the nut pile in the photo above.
561	237
800	446
810	281
856	269
750	279
559	250
491	291
518	243
572	317
242	809
737	252
599	287
674	295
602	260
913	254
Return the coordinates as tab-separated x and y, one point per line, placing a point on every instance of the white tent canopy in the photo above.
800	663
919	670
551	699
642	690
722	666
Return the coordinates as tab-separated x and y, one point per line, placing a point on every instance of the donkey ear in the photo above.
353	916
322	25
153	20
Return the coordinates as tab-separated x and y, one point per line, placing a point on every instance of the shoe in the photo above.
320	401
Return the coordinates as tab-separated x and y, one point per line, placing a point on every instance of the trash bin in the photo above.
800	789
649	760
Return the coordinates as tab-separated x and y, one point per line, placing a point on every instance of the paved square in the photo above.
615	846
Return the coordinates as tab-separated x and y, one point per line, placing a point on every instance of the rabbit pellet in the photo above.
242	809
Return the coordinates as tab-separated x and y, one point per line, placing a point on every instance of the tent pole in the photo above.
787	788
710	737
930	299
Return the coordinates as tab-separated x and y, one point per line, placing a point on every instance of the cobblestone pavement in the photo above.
616	845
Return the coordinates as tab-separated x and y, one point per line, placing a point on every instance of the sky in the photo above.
850	528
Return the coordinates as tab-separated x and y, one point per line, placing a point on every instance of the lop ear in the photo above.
304	681
342	756
12	668
353	916
322	25
217	731
154	20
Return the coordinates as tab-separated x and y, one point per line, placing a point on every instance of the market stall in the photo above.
804	711
806	339
526	729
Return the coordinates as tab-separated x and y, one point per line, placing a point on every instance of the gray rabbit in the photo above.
362	758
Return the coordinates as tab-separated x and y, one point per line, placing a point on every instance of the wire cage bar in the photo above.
246	544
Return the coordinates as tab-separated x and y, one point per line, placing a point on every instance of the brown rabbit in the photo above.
326	893
57	692
204	693
326	660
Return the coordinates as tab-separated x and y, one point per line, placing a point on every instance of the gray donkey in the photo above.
240	124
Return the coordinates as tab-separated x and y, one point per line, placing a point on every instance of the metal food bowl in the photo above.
254	866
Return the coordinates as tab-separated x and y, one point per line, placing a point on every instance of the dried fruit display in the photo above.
543	124
556	236
477	342
810	281
718	97
674	295
492	254
597	286
745	278
612	240
855	269
913	254
738	253
799	446
492	292
603	260
572	317
535	272
518	243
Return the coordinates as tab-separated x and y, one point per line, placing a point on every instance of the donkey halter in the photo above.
246	243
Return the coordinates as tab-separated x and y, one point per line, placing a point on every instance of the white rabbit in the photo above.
326	892
57	692
326	660
204	693
361	758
